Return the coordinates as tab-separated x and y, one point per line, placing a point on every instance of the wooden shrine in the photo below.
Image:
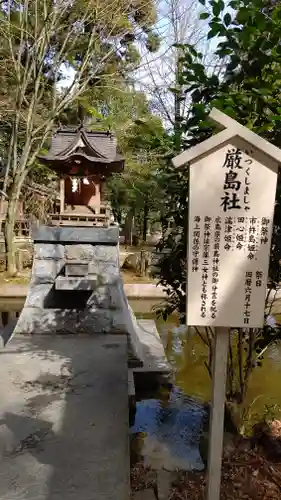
83	160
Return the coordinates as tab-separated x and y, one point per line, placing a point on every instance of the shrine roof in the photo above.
97	147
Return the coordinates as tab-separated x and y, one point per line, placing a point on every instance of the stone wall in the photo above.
76	287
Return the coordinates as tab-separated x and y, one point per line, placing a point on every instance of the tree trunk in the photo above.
11	264
128	227
177	104
145	221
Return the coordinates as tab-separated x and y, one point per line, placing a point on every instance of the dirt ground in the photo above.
247	475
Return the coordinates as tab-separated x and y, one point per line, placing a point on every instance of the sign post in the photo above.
232	186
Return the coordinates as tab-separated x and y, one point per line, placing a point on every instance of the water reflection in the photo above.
167	432
192	378
167	429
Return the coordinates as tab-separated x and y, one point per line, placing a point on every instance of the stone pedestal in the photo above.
76	286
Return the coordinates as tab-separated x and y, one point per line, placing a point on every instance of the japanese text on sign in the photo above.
236	184
229	237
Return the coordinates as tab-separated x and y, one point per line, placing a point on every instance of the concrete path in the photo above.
64	419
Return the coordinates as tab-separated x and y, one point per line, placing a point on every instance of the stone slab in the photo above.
46	270
106	268
96	321
72	234
76	269
105	297
132	290
153	353
34	320
79	252
48	251
68	321
63	429
37	294
75	283
105	253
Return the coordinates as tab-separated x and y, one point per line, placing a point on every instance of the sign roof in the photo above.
231	129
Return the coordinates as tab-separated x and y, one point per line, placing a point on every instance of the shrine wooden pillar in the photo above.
62	194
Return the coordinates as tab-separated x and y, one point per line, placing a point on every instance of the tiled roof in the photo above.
101	145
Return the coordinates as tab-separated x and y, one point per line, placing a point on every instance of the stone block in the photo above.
37	294
105	297
99	298
76	269
45	270
75	283
109	271
116	299
106	253
48	251
34	320
95	321
120	323
79	252
72	234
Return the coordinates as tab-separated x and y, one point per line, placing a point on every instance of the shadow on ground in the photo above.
64	418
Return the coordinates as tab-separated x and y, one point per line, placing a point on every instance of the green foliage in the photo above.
99	42
138	191
248	90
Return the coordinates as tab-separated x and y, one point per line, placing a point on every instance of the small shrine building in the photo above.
83	161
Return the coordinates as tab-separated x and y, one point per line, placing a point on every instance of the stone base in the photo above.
76	287
75	283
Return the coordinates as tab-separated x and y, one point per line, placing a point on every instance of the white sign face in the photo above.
231	206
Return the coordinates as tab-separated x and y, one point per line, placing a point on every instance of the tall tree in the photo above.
42	40
162	79
137	192
247	35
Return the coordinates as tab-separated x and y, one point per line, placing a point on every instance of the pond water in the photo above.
168	424
188	356
167	427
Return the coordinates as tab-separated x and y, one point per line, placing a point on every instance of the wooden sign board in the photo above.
233	178
231	206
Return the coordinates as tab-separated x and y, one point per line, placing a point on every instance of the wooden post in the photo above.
142	263
216	429
62	194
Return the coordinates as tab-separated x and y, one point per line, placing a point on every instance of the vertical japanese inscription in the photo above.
215	267
234	165
248	296
205	265
231	203
264	230
196	243
252	238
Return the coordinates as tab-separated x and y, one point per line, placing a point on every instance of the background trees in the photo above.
247	39
51	54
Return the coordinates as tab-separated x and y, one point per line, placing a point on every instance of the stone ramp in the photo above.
76	286
64	418
153	354
156	369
